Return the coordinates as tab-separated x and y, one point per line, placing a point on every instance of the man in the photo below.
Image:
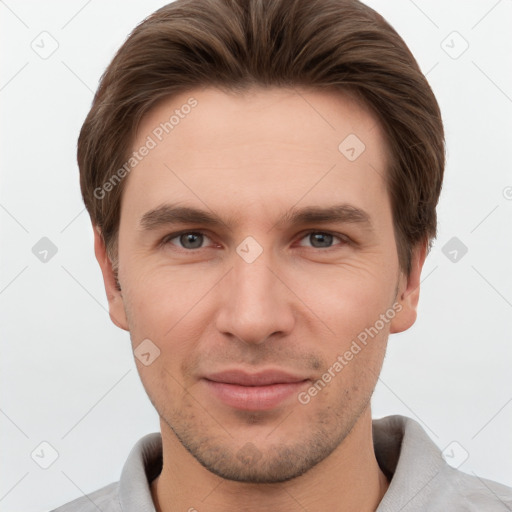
262	179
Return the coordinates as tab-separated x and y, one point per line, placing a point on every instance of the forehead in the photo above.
260	149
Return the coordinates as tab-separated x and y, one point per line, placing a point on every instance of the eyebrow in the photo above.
168	214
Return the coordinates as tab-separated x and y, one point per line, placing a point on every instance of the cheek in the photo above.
352	368
162	299
168	309
350	304
345	299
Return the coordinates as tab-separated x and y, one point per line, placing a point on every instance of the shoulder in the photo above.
422	480
105	499
470	493
142	465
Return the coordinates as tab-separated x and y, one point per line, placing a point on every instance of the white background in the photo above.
67	373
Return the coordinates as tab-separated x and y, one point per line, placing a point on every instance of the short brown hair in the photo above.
237	44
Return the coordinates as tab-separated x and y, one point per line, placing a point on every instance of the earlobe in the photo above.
409	291
114	296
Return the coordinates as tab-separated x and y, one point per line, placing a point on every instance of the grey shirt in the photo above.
420	479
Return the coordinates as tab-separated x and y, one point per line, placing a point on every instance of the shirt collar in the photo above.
143	465
408	457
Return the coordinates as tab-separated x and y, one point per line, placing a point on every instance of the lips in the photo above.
264	390
264	378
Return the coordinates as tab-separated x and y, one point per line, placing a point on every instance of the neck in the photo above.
348	479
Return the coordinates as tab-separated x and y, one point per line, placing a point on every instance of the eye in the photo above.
187	240
193	240
323	239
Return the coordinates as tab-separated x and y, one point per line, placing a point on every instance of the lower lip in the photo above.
254	398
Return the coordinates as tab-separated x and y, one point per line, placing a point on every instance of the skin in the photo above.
249	158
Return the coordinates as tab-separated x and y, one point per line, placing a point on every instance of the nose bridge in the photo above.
254	304
253	282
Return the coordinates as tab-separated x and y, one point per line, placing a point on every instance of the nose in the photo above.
255	302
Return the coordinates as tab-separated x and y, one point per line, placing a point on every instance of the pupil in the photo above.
189	237
325	237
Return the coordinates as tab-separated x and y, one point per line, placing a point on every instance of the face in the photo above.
259	274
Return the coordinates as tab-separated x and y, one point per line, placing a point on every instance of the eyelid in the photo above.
344	238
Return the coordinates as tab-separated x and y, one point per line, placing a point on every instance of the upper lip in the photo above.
261	378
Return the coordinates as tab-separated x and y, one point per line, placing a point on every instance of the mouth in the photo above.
260	391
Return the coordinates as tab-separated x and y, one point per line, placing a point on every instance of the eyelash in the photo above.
343	238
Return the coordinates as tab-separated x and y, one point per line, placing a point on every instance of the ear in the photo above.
409	291
114	296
